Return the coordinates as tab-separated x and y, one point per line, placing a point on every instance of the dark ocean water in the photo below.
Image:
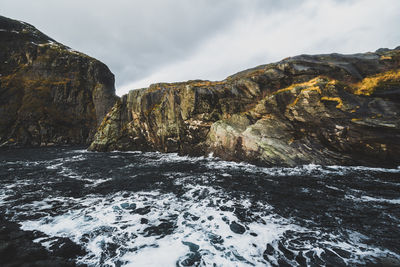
152	209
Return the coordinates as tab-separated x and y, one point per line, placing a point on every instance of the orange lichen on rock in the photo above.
310	85
294	102
385	57
338	100
306	87
369	84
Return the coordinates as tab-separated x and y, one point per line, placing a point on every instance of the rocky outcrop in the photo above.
322	109
49	93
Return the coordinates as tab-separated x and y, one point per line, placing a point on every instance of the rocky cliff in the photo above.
49	93
322	109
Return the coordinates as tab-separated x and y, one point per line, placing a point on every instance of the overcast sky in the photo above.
151	41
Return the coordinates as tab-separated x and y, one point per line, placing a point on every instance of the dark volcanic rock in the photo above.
49	94
322	109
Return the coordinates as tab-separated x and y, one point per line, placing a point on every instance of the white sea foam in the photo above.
382	200
365	198
201	215
79	151
333	188
195	222
364	168
106	220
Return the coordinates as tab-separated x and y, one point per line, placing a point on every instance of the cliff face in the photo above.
322	109
49	94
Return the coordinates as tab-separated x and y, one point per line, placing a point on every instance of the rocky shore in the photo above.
321	109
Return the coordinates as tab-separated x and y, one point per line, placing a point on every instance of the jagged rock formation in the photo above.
49	94
322	109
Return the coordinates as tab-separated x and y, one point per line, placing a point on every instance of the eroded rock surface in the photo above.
322	109
49	93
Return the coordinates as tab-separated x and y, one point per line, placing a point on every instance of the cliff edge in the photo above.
49	93
321	109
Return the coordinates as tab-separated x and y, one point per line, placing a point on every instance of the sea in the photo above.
154	209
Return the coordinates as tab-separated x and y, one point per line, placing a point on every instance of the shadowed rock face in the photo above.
322	109
49	94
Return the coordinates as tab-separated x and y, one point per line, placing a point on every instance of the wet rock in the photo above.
237	228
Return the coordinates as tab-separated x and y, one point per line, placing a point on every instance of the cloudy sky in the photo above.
150	41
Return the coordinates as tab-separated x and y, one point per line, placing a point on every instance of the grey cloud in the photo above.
133	37
169	40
